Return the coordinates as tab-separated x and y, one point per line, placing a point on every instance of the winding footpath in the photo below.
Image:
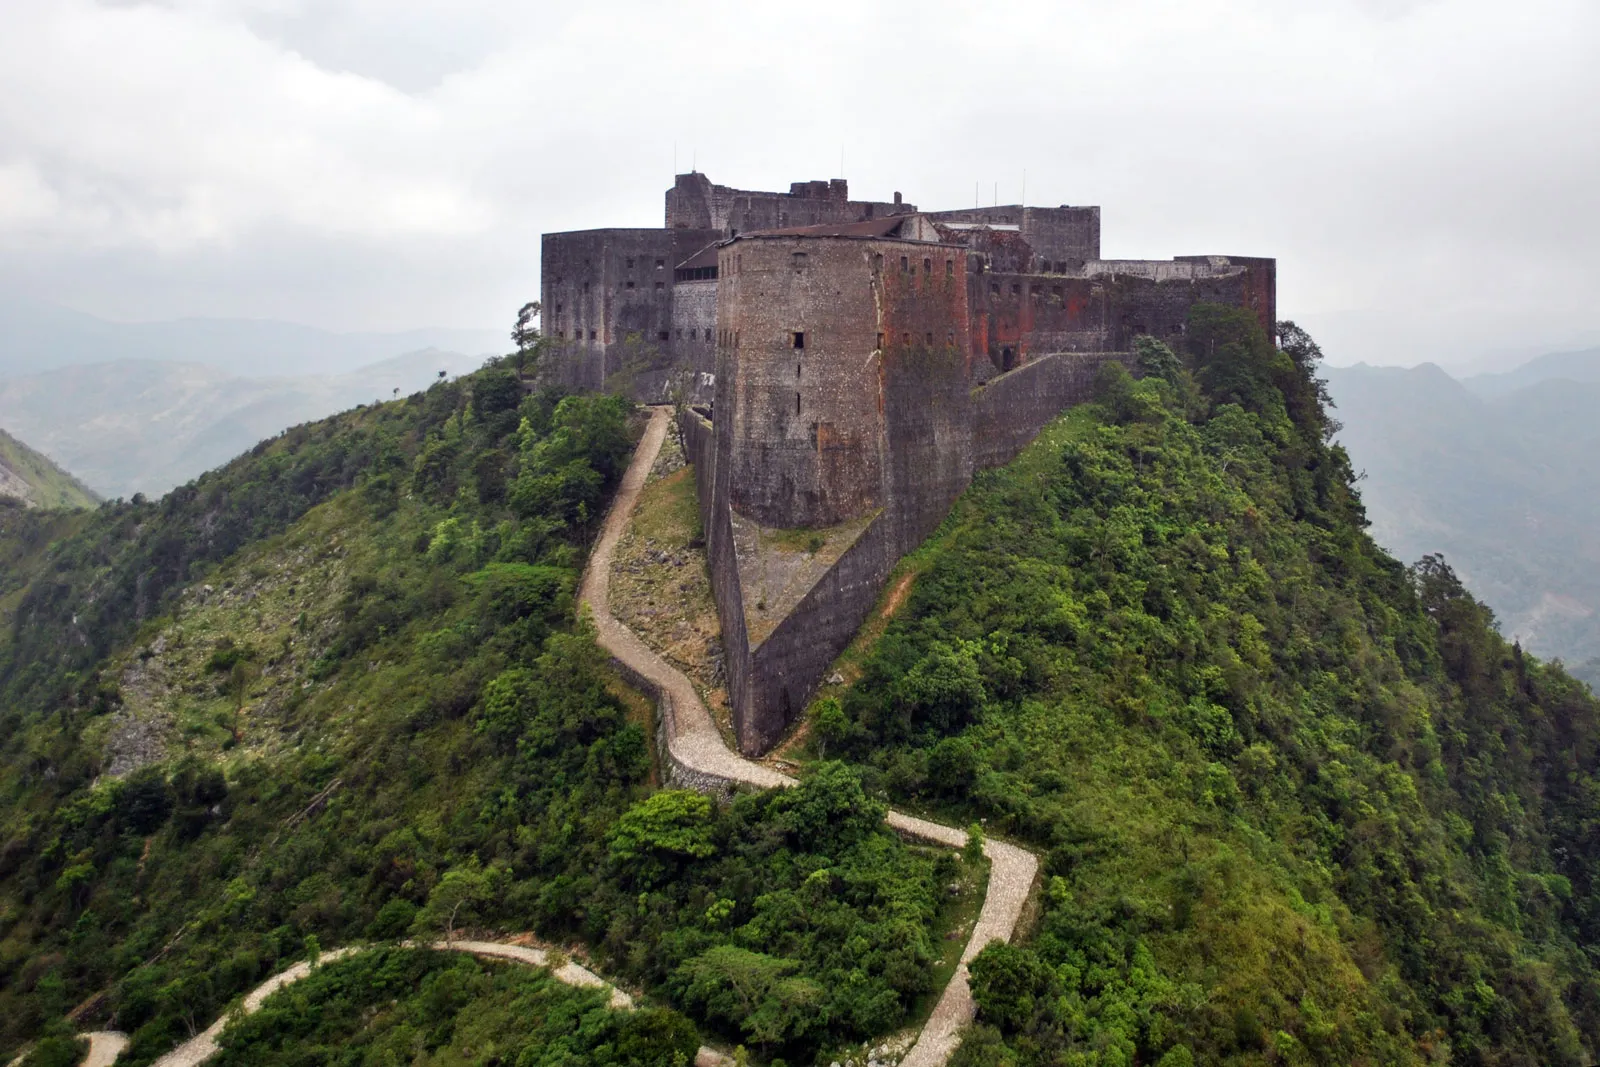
694	744
106	1045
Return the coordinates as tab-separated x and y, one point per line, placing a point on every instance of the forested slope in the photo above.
1300	803
335	692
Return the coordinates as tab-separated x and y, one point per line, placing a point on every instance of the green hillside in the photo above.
334	693
1299	804
1296	803
30	477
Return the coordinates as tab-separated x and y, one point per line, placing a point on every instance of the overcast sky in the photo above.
1425	172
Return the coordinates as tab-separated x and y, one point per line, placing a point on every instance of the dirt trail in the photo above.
693	742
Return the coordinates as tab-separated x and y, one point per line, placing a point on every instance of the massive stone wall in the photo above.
694	202
1009	411
1058	238
609	303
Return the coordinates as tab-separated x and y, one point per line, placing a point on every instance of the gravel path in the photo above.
693	741
106	1045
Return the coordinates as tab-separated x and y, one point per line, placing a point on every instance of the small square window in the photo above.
927	266
660	286
1016	290
591	335
630	283
662	336
994	288
949	268
708	335
660	264
799	339
905	264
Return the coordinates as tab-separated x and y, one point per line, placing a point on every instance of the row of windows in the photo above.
905	265
663	335
797	339
1016	290
661	264
659	285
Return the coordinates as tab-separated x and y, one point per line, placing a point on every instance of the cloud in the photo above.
1421	169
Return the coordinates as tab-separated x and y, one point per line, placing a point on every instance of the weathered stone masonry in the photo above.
852	363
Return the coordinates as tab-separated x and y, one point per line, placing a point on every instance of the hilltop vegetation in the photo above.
30	478
1299	804
335	692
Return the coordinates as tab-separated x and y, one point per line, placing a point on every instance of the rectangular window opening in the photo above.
799	339
927	266
949	268
880	342
905	264
797	403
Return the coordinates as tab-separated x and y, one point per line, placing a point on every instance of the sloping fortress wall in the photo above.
850	365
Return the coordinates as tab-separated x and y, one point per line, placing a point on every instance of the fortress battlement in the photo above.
860	360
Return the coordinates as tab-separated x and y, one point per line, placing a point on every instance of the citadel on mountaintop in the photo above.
849	364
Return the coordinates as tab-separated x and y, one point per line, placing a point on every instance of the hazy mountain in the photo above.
143	426
31	477
1497	474
1581	366
36	337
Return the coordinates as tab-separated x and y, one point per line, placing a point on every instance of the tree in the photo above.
458	898
661	831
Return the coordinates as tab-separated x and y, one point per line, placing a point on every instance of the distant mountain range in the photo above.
143	426
30	477
1498	473
142	407
37	337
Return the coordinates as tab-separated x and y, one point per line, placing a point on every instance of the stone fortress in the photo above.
849	365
